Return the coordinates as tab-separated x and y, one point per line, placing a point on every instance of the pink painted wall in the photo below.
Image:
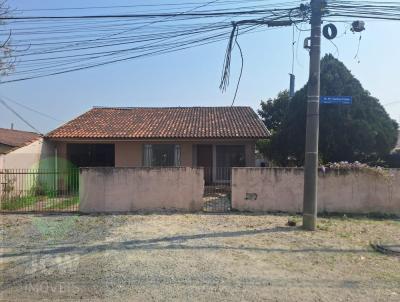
281	189
135	189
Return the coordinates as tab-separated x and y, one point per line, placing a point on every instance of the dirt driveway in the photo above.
195	257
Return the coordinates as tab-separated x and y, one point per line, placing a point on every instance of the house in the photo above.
24	150
11	139
215	138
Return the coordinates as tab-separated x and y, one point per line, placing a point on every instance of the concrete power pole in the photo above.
312	127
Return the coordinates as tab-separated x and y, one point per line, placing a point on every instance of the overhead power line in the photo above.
31	109
365	9
158	6
50	43
138	16
54	50
19	116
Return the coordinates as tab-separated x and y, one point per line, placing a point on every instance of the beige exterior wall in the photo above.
281	189
61	152
130	153
38	154
134	189
187	154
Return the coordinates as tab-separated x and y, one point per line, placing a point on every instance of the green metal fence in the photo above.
39	190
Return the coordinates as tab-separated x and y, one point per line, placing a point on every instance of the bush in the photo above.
393	160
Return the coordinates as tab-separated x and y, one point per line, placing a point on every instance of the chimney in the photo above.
12	126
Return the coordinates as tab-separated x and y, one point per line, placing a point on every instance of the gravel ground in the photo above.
195	257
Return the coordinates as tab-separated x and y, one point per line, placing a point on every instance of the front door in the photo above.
205	160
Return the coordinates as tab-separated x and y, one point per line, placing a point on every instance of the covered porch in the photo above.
218	159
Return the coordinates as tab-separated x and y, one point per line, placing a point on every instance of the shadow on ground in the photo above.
176	242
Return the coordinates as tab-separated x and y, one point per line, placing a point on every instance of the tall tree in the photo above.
362	131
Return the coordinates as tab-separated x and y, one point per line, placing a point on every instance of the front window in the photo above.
161	155
91	155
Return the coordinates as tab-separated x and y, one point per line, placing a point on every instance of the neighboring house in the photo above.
24	150
215	138
11	139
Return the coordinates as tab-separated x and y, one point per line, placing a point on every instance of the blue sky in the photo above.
191	77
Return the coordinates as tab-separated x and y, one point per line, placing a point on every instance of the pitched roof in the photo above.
17	138
177	122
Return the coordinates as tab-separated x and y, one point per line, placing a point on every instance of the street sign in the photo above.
345	100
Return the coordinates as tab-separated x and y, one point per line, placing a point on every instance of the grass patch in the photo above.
18	203
63	204
294	220
26	202
325	224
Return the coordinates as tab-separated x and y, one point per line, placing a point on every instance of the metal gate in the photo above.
217	190
39	190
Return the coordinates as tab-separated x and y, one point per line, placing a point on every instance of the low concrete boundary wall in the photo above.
281	189
135	189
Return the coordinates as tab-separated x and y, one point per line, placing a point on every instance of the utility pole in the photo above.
312	127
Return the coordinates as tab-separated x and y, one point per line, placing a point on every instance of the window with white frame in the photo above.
162	155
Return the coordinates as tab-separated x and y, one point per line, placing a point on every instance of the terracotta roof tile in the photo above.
178	122
17	138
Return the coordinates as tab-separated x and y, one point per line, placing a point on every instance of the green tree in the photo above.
274	111
362	131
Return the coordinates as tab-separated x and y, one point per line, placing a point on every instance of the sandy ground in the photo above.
195	257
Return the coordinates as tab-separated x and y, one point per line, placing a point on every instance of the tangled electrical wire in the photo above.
377	10
46	42
57	43
295	15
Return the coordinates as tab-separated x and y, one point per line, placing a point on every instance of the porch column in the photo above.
214	163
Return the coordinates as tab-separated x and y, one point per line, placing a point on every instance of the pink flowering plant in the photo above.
344	166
